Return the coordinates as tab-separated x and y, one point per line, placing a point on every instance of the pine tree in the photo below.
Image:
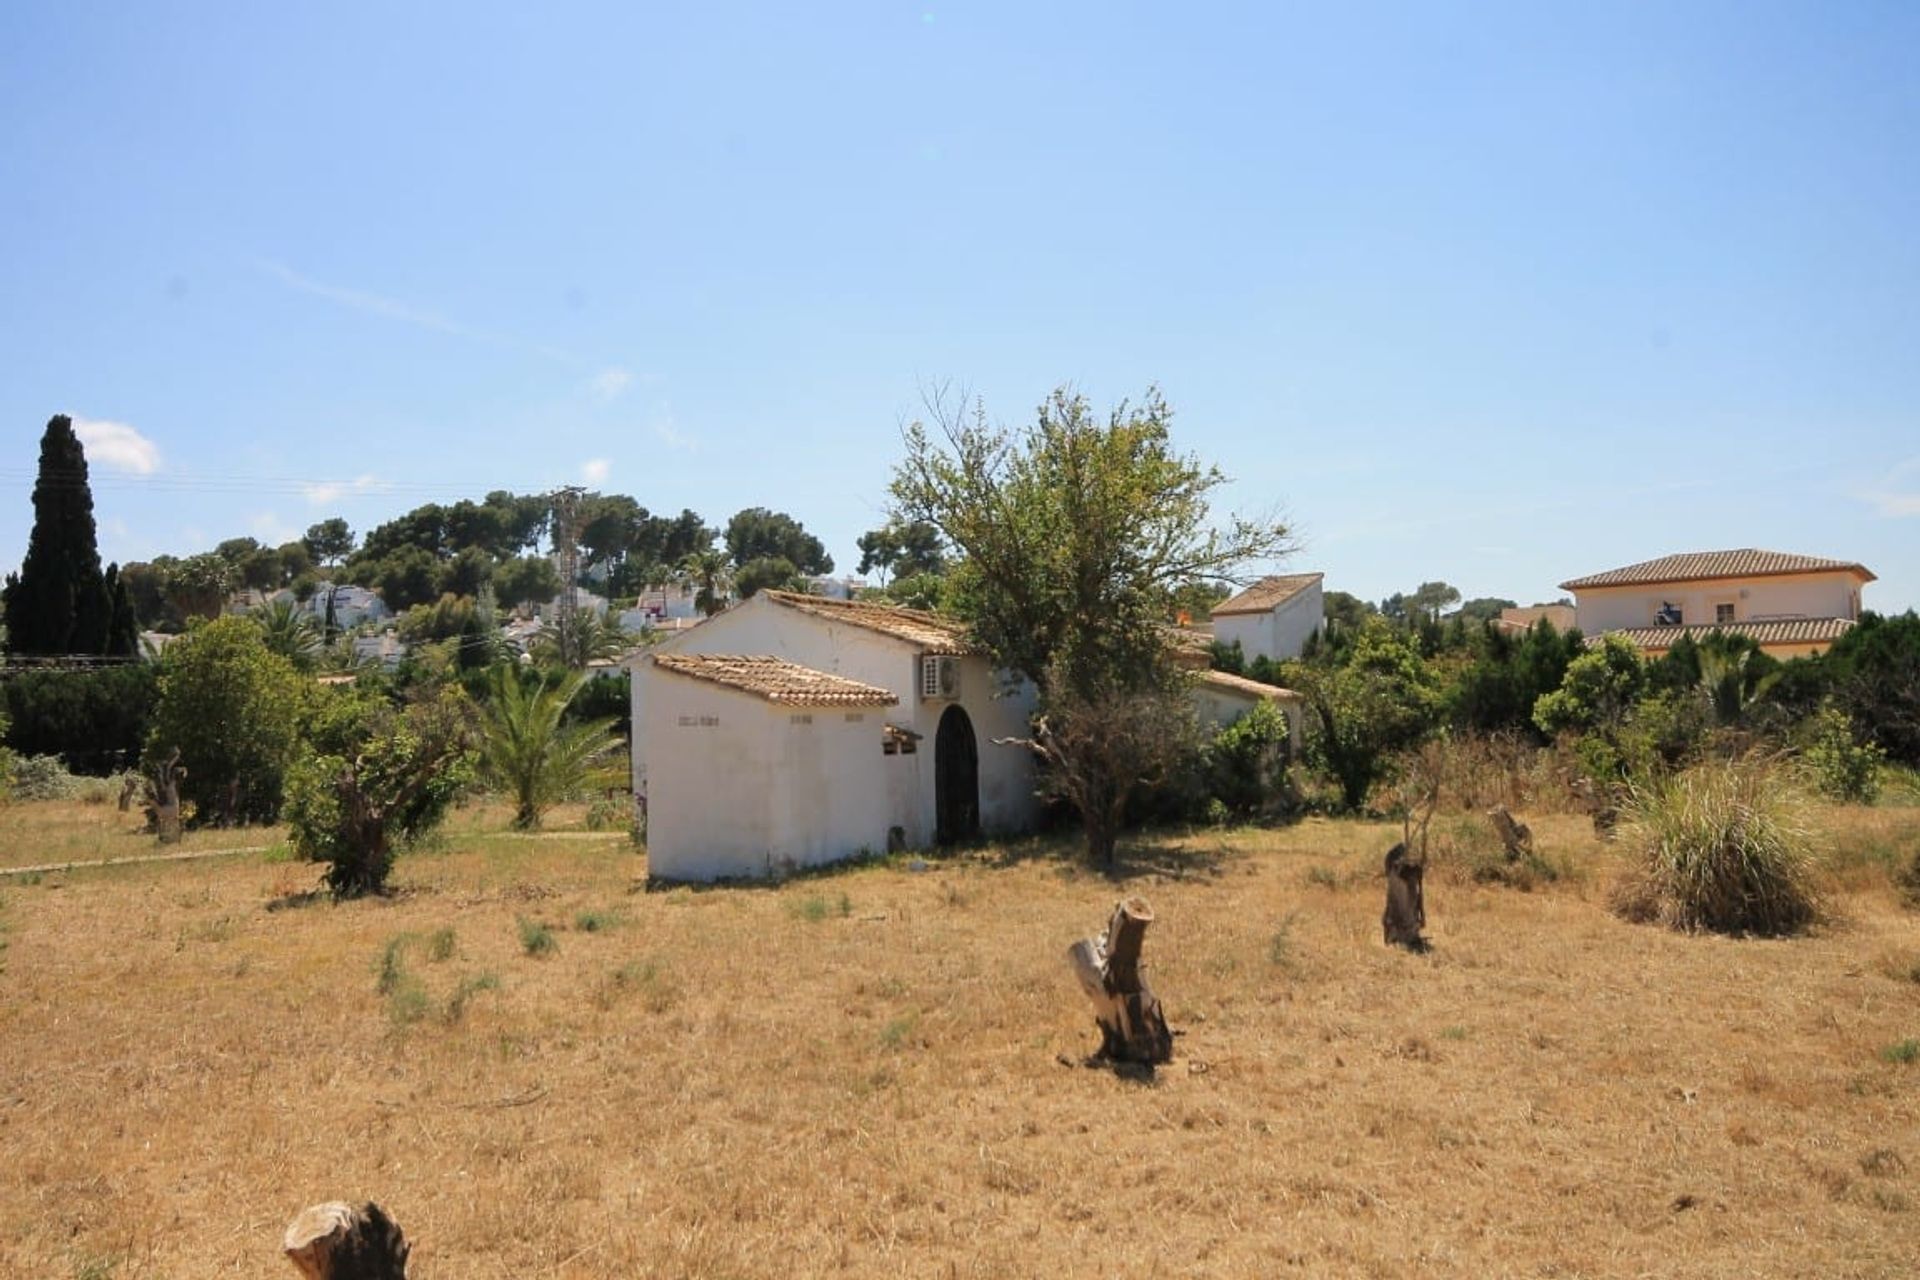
59	602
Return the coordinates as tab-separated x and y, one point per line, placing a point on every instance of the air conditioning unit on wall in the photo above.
940	678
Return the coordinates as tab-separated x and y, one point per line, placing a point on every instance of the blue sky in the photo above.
1495	294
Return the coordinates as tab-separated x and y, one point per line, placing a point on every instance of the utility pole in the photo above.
566	549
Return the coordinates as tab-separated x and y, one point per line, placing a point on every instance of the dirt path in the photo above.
191	855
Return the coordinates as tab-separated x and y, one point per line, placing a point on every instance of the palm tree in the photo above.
527	750
289	632
709	572
593	637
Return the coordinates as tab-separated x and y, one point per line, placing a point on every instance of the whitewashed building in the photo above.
1272	618
792	730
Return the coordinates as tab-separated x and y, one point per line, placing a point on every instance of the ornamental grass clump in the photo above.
1725	846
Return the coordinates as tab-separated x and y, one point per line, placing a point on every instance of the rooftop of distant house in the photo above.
1694	566
930	631
1268	593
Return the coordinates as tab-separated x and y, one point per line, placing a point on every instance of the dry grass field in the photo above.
876	1072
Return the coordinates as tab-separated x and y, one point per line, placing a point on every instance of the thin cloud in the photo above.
405	313
321	492
270	529
118	446
1901	498
609	384
596	470
667	430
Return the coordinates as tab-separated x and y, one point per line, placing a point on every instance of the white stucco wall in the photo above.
743	787
1217	707
760	626
1280	632
1825	595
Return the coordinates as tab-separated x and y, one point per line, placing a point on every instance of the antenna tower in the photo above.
566	549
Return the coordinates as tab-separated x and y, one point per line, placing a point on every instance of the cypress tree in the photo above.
123	631
59	602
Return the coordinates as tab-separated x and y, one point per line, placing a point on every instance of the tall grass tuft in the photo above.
1725	846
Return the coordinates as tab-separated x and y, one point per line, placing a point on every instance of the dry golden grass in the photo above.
48	831
860	1074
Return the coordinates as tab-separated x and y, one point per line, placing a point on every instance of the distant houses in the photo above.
1790	605
1273	618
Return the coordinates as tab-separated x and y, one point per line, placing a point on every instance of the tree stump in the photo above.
1132	1028
1406	913
335	1241
129	787
166	798
1515	836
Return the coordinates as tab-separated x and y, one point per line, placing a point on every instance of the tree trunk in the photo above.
1132	1027
1515	836
336	1241
166	798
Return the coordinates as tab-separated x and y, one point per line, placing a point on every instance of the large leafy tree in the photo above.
528	749
330	541
1381	698
1075	534
902	549
59	602
758	534
232	706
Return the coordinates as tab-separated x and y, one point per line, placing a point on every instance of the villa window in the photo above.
1669	615
1723	614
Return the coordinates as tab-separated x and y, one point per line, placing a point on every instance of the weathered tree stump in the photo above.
335	1241
166	798
129	787
1406	913
1515	835
1132	1027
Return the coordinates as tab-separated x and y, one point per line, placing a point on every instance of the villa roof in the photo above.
1268	593
929	632
1691	566
775	679
1780	631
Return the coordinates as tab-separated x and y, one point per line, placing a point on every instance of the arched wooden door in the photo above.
956	779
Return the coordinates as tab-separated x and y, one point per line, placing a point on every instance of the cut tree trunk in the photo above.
1515	836
1132	1027
166	798
335	1241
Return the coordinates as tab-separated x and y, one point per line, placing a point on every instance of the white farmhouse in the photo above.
792	730
1272	618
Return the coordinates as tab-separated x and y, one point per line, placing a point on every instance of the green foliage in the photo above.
59	602
527	579
1599	687
768	573
923	591
1382	700
1725	846
392	782
289	631
1874	673
1842	768
42	778
529	750
197	587
1246	763
232	707
711	576
902	549
1734	675
536	938
1507	675
1901	1053
759	534
94	720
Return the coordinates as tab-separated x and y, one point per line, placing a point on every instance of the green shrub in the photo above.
467	988
609	812
42	778
1842	768
1246	765
1724	847
93	720
536	938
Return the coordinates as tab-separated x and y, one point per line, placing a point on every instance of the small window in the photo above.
1723	614
1669	614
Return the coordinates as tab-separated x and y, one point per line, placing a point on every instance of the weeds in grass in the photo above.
814	908
465	990
95	1268
391	971
440	945
1725	846
1453	1033
598	921
536	938
896	1033
1902	1053
1280	947
643	977
1325	877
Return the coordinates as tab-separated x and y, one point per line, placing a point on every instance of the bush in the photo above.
233	708
1724	847
1246	764
96	721
1841	768
42	778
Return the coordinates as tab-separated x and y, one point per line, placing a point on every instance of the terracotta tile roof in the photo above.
1240	684
1190	648
1267	593
1691	566
930	632
1782	631
776	680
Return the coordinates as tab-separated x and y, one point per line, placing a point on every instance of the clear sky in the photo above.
1500	294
